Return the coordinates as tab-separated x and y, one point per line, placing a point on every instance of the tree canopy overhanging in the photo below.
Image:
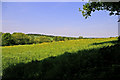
113	7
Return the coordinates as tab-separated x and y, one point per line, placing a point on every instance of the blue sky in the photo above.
56	18
46	0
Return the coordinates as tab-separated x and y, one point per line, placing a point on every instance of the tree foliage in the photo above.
20	38
7	39
0	38
112	7
88	8
80	37
41	39
58	38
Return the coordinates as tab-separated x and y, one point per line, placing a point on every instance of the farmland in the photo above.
25	54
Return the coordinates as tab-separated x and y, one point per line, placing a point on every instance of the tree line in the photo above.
7	39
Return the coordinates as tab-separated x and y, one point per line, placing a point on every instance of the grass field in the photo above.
27	53
12	55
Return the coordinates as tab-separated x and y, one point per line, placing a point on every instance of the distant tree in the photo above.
36	40
42	39
70	38
7	39
80	37
0	38
58	38
31	39
50	38
55	38
21	38
65	39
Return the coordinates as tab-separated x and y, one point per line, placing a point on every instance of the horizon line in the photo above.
62	35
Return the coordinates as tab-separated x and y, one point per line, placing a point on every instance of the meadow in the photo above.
25	54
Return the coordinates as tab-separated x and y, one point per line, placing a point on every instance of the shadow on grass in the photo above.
114	42
94	64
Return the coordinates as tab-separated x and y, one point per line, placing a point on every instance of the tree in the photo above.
113	7
31	40
80	37
0	38
7	39
42	39
20	38
58	38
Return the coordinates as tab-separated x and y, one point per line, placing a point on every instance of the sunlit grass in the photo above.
27	53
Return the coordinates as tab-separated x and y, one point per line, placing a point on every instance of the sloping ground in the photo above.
81	59
94	64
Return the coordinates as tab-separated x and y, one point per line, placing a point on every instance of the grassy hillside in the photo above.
25	57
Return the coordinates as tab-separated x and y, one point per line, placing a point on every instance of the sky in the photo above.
58	0
56	18
44	0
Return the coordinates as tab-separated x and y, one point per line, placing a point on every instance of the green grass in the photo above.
12	55
84	59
